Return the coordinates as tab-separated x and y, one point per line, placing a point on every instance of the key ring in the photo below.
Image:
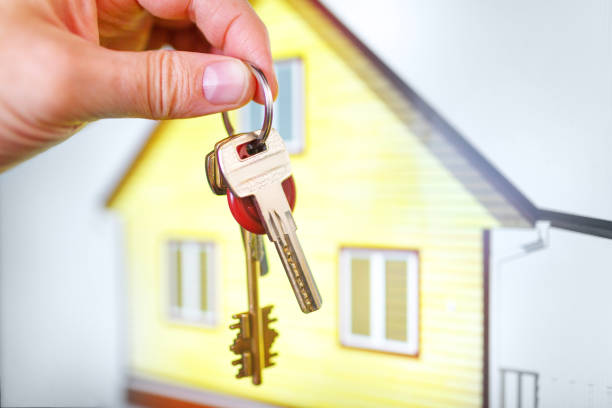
268	108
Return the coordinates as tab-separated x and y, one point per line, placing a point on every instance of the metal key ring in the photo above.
268	106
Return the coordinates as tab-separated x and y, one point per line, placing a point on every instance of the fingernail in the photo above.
225	82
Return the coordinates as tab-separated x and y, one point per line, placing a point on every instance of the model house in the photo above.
393	212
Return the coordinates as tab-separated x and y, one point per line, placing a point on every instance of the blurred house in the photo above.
393	212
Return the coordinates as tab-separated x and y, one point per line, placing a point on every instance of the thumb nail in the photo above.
225	82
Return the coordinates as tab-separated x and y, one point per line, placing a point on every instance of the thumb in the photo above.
166	84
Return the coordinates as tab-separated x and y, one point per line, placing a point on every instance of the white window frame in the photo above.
193	316
376	340
297	144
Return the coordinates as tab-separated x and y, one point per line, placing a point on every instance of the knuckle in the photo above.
167	85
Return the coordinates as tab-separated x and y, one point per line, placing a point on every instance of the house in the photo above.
394	210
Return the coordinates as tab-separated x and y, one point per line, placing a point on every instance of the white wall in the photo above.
60	271
529	83
551	312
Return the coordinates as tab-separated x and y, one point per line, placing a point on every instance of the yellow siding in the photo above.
363	180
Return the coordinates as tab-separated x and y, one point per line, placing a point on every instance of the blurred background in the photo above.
527	84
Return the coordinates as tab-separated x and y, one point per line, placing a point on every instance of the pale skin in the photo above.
64	63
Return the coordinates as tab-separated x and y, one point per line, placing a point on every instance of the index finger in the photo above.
230	26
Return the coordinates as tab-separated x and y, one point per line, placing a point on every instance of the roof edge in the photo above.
133	163
577	223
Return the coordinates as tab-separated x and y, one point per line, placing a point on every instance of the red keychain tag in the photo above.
245	212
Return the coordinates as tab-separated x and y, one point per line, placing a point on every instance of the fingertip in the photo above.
272	82
228	81
274	85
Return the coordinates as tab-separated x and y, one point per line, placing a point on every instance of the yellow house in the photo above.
393	209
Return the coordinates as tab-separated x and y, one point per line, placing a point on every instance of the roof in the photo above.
479	176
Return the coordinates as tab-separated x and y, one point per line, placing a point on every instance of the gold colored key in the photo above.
255	337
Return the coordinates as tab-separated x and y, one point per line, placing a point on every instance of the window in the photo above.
192	277
379	300
288	108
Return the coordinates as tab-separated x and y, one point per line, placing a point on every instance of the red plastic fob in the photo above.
245	212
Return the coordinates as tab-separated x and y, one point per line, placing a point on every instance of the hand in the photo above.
66	62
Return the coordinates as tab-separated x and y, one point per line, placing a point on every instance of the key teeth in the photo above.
244	362
242	344
269	335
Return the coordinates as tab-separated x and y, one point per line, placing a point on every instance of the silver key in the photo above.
261	175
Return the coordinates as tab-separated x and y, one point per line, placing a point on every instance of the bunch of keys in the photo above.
254	171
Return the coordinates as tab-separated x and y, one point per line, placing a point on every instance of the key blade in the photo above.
298	272
274	211
261	175
276	215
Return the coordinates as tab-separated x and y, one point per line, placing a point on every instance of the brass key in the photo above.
255	337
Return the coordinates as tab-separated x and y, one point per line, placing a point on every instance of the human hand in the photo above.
66	62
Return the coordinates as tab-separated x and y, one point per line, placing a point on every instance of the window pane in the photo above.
190	274
178	279
283	107
360	296
191	281
255	116
203	279
396	295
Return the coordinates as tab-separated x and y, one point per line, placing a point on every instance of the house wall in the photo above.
550	315
363	180
61	271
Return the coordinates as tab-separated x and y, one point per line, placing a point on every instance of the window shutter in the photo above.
284	106
360	296
396	300
203	279
178	280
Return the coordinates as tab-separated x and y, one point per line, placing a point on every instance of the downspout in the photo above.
541	242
